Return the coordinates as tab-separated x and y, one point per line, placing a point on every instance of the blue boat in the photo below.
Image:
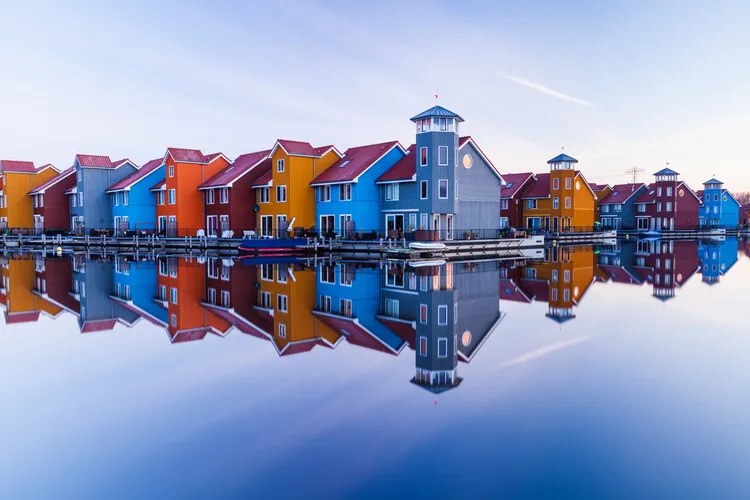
272	246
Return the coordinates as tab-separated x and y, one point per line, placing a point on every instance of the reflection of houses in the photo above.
717	258
667	265
617	264
20	279
92	282
134	283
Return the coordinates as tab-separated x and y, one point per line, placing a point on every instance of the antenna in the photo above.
634	172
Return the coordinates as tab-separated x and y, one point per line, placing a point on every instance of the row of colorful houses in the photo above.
441	187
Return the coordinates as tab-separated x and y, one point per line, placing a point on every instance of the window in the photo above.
345	308
423	190
443	156
264	195
280	165
669	191
224	196
566	276
280	194
74	201
442	348
553	296
658	191
171	170
173	295
658	207
282	330
125	198
160	197
211	296
172	196
423	313
209	197
423	346
555	183
266	272
80	199
423	221
392	308
443	189
325	193
555	202
531	204
568	202
618	208
174	321
716	197
504	204
668	206
391	192
225	299
442	315
115	199
345	192
412	222
328	274
265	300
568	183
282	303
554	275
423	157
325	303
566	295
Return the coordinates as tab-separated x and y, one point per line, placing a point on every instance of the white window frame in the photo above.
281	189
172	197
442	348
425	192
282	303
280	165
443	162
424	156
442	315
441	183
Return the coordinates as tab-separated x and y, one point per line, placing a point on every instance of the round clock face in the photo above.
681	192
468	161
466	338
578	185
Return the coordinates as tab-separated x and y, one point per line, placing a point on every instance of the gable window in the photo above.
443	189
325	193
264	194
423	156
345	192
172	196
280	165
423	190
280	194
531	204
210	197
224	196
391	192
171	170
443	156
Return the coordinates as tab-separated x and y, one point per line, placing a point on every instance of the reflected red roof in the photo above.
354	333
94	161
404	170
405	330
513	184
187	155
99	325
240	323
21	317
137	175
240	166
354	162
621	193
59	177
512	292
19	167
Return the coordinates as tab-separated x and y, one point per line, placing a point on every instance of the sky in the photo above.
617	85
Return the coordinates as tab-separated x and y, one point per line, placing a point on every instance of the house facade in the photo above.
347	198
719	208
90	205
511	204
285	199
229	198
51	205
17	178
617	209
133	205
668	204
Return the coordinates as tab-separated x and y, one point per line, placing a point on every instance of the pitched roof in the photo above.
561	158
265	179
322	150
648	196
358	334
713	180
16	166
539	187
21	317
59	177
187	155
513	183
239	167
98	325
666	171
159	186
355	162
621	193
438	111
94	161
297	148
463	141
136	176
403	170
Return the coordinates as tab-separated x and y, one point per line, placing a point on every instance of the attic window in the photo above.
344	163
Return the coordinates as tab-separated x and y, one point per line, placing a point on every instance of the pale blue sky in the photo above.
619	85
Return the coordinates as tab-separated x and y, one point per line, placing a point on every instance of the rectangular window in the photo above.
80	199
669	191
442	315
280	194
412	222
225	299
160	197
566	295
669	206
172	196
325	303
282	330
280	165
568	202
443	156
265	300
173	295
554	275
116	199
442	348
555	184
125	198
174	320
264	194
566	276
171	170
328	274
423	157
282	303
658	191
531	204
423	346
555	202
391	192
568	183
423	313
209	197
224	196
443	189
423	221
345	308
345	192
211	299
325	193
423	190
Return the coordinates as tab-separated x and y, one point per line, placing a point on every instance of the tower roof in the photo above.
713	180
561	158
667	171
438	111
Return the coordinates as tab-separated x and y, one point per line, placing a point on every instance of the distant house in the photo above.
444	188
617	209
601	191
745	215
347	198
51	205
511	204
180	211
719	208
284	197
16	179
228	196
667	204
90	205
133	204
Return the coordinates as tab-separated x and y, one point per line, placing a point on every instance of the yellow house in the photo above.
17	178
284	196
20	279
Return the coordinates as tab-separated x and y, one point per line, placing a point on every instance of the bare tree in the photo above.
743	198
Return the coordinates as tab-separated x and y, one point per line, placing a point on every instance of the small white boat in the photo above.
425	245
427	263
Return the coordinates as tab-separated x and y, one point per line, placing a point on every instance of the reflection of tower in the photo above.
561	285
717	257
671	264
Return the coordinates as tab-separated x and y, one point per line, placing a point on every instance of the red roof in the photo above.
62	175
354	333
512	292
298	148
21	317
404	330
539	187
159	186
321	150
513	183
621	193
213	156
241	323
265	179
240	166
20	167
99	325
94	161
404	170
648	196
137	175
354	162
187	155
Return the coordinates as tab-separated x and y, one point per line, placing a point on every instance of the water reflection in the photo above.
443	313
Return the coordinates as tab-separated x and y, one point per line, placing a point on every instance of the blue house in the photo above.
90	205
617	210
444	188
132	203
718	207
347	200
717	258
134	288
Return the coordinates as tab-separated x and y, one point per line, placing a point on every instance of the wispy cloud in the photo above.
548	91
541	352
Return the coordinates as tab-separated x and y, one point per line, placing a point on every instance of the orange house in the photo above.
179	204
284	196
17	178
20	279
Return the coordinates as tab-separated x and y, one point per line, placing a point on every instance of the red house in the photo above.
51	206
511	207
229	198
668	204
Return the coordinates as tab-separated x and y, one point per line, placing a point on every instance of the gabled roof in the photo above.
265	179
510	291
621	193
18	167
514	183
463	141
129	181
159	186
438	111
403	170
120	163
322	150
183	155
713	180
296	148
358	334
355	162
59	177
95	161
539	188
667	171
561	158
648	196
99	325
238	168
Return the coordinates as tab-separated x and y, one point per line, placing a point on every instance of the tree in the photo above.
743	198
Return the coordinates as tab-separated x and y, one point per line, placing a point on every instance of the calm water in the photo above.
614	372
